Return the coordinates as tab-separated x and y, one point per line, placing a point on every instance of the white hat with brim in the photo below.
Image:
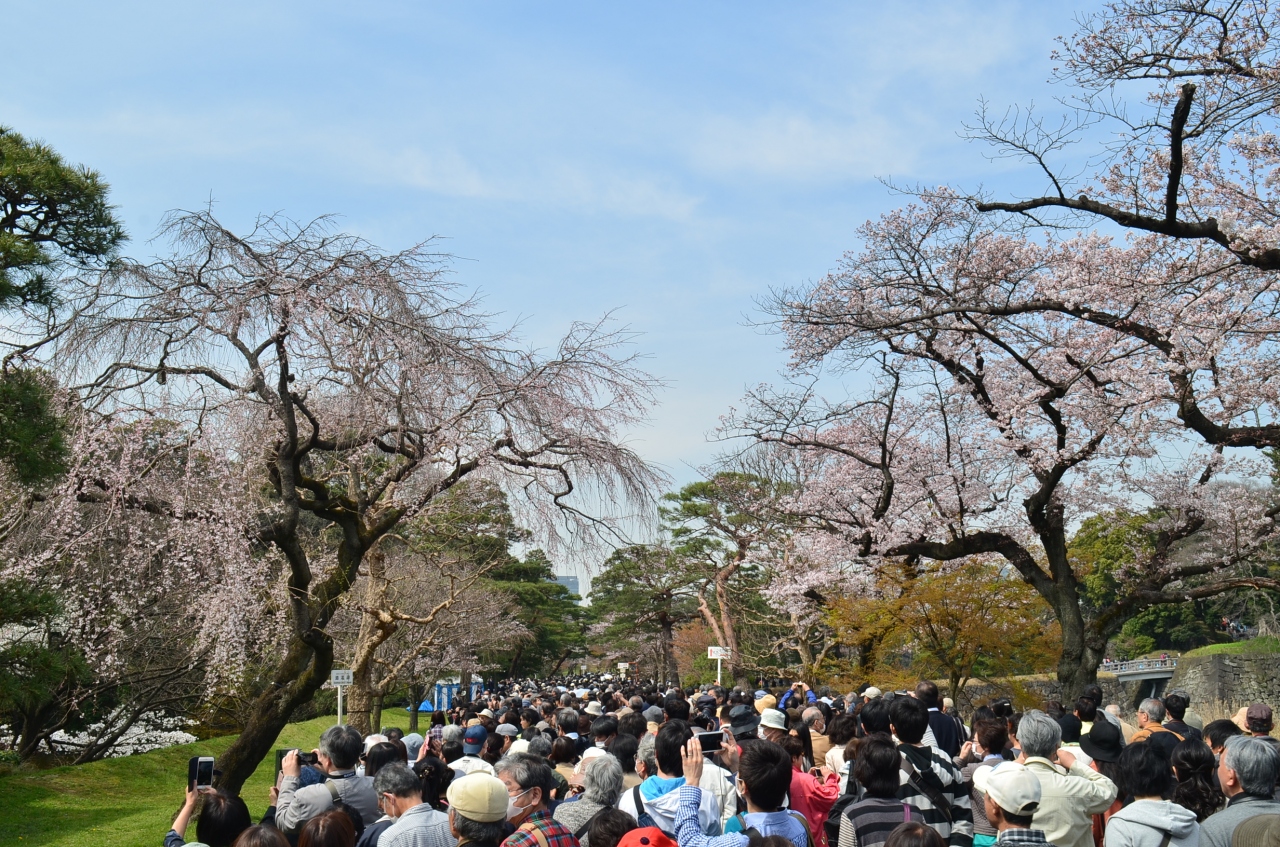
773	719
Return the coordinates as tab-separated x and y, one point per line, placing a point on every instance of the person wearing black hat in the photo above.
1103	742
1103	745
744	723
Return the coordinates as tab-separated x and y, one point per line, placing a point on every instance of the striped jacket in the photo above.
936	770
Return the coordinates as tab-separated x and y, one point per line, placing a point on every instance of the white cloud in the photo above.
793	145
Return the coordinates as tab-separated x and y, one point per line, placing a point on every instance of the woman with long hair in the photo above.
1193	766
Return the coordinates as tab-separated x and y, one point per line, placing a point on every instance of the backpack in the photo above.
754	834
644	819
831	826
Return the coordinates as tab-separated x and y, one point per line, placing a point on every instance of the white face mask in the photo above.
514	811
600	744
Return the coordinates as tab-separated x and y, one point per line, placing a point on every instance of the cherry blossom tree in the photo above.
1031	371
982	442
1189	176
161	604
348	388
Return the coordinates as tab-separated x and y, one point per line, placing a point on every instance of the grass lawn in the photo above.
131	801
1261	644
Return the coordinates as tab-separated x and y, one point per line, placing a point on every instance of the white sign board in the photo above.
624	666
718	653
341	678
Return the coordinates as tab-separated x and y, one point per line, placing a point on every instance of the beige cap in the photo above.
768	701
1257	831
871	693
1010	786
478	797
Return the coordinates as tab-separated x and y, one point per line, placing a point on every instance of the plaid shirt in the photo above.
554	833
1022	836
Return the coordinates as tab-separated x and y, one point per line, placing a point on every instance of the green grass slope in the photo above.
131	801
1261	644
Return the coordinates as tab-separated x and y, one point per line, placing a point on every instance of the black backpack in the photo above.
831	826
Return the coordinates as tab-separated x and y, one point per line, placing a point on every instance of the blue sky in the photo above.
670	161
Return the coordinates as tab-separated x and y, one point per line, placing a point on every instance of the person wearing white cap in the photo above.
773	725
1071	793
1011	797
478	810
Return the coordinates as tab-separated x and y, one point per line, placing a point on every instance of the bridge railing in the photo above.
1140	665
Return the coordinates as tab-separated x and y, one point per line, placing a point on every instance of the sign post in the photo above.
340	680
719	654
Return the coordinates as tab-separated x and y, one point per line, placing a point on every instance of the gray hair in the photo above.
567	720
1255	762
1153	708
636	703
478	832
1039	734
647	752
540	746
811	715
602	781
397	779
342	745
453	732
527	771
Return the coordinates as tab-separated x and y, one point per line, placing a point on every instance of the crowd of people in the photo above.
589	762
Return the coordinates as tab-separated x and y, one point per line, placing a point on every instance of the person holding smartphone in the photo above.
222	818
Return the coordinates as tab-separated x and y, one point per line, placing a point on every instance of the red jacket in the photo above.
813	797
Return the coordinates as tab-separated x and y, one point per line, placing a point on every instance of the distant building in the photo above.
569	582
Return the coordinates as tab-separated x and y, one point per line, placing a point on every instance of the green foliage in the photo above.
36	666
51	214
31	432
557	624
1103	545
1177	627
641	596
640	589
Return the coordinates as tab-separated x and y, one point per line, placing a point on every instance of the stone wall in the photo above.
1031	691
1229	682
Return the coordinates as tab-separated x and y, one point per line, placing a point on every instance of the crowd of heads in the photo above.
530	746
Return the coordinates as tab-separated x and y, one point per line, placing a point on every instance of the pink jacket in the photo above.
813	797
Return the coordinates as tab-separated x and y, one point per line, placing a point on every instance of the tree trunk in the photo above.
1078	665
375	629
375	713
302	673
726	618
667	638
